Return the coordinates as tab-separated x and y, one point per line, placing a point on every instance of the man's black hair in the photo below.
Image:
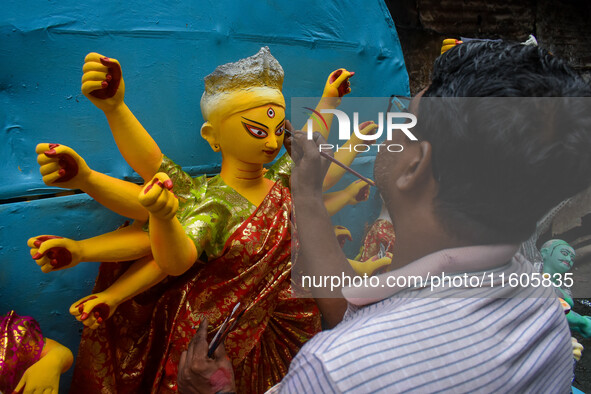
503	162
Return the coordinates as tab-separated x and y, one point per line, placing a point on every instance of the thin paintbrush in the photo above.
221	334
338	163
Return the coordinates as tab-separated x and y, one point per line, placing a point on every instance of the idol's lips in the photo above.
270	152
566	263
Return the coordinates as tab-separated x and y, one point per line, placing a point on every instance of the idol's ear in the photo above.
545	252
209	133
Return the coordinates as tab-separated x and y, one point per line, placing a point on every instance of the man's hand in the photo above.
157	197
93	310
61	166
201	374
287	137
53	253
310	167
102	81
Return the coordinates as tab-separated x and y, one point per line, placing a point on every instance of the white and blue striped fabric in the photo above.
488	339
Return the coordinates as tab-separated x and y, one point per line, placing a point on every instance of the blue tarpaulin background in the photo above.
165	50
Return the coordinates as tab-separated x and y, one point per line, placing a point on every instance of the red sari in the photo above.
21	345
138	349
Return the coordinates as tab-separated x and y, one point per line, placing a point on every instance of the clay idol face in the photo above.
255	135
559	256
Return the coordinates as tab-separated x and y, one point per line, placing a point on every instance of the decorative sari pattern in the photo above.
21	344
381	232
248	260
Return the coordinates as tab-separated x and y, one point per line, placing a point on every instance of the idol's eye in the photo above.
280	131
255	131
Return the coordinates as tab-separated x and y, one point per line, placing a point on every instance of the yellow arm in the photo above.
103	85
337	85
173	250
61	166
44	375
137	147
370	266
356	192
127	243
346	154
54	253
96	308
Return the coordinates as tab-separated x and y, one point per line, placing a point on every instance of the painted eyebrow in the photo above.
253	121
280	124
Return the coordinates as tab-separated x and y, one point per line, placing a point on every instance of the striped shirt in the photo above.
472	339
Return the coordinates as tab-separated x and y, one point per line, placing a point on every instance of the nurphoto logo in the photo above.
393	123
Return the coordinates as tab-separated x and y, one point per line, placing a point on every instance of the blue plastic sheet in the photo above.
165	48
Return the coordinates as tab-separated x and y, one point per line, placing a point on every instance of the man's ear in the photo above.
418	168
209	133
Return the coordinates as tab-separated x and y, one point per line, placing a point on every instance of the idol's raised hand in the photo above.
53	253
102	81
157	197
337	84
93	310
61	166
357	192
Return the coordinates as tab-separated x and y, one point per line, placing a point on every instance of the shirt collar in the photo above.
457	260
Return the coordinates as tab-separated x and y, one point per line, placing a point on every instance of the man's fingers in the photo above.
307	147
318	140
198	346
182	361
220	352
298	138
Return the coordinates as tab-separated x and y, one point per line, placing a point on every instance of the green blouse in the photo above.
209	210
